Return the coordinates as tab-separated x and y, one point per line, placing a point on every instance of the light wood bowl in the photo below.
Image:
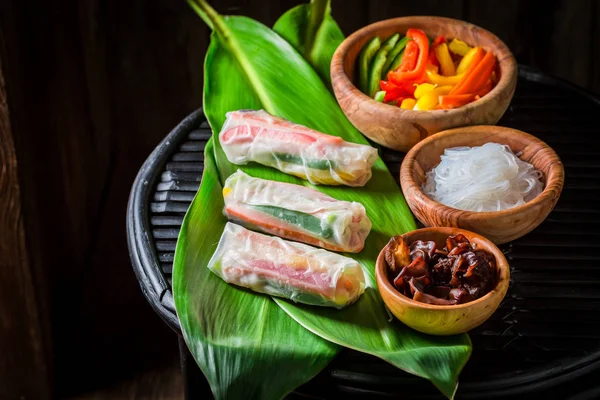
401	129
498	226
443	320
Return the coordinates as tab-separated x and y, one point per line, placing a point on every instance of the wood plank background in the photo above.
23	323
94	85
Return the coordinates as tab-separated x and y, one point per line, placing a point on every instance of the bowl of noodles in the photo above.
482	179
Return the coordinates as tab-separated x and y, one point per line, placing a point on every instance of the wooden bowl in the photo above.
401	129
498	226
443	320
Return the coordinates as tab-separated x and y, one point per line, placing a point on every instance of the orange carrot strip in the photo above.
477	58
485	73
452	101
485	89
478	76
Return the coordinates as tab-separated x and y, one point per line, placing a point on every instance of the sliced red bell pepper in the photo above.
392	92
418	37
394	96
409	59
396	92
439	40
387	86
432	58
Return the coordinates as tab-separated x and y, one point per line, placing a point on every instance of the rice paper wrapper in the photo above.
295	149
295	271
296	212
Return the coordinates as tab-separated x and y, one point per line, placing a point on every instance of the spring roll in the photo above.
295	271
296	212
295	149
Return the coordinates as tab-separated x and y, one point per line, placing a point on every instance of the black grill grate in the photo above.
174	194
547	330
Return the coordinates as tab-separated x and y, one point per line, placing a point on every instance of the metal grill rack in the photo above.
545	336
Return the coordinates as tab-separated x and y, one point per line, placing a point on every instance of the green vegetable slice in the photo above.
379	96
364	62
298	218
377	63
396	63
391	58
294	159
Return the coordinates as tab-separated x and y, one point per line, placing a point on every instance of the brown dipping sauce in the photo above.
457	274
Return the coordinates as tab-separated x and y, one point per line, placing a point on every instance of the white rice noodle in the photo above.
484	178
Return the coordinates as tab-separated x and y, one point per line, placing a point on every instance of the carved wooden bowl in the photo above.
443	320
401	129
498	226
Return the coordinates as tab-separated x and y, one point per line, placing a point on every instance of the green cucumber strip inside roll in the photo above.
303	220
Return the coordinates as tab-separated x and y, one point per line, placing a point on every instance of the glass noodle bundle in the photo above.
484	178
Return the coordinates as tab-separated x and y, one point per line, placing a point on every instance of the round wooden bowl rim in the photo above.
409	185
507	66
501	264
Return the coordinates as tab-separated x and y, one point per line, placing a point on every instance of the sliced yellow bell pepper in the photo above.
422	89
437	79
446	64
324	176
466	61
429	100
408	104
459	47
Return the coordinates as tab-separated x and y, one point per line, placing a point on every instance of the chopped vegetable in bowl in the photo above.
415	73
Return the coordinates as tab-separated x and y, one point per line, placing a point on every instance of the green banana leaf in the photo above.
299	95
235	336
311	30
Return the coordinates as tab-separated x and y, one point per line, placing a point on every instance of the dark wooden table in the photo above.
545	336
